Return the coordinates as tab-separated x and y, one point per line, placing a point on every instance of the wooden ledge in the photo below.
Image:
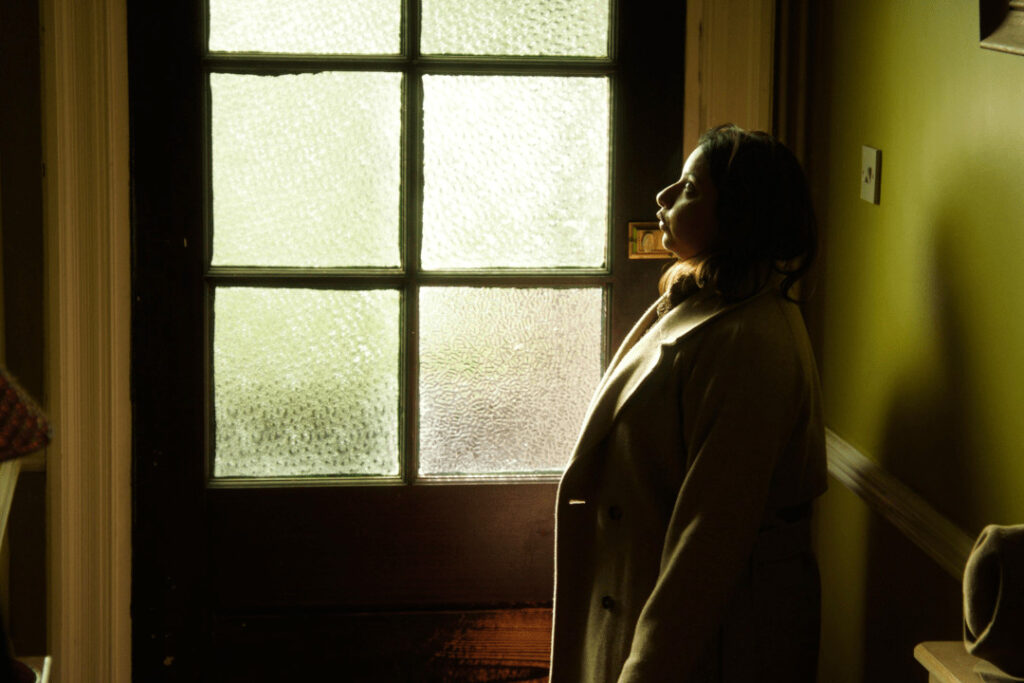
947	662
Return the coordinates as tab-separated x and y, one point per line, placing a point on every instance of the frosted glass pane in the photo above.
515	27
505	376
306	26
306	169
305	382
515	171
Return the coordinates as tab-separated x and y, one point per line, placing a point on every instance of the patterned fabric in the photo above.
23	427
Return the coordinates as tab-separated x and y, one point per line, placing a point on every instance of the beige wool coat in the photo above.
682	533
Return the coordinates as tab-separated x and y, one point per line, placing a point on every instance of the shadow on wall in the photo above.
924	441
909	599
927	445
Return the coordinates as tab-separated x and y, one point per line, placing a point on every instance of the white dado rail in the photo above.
942	540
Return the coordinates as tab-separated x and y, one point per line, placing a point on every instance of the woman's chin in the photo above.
669	244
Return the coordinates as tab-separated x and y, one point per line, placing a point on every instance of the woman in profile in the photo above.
683	549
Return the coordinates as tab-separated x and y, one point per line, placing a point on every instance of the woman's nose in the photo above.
664	198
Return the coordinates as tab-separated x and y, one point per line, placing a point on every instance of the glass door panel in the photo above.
306	169
515	172
505	376
577	28
305	382
306	26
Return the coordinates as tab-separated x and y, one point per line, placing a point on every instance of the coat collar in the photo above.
638	356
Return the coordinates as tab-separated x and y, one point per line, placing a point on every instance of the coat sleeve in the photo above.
740	401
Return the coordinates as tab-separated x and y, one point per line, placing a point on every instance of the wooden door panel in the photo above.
384	647
382	546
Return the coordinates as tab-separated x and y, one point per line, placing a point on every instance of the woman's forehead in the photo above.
696	164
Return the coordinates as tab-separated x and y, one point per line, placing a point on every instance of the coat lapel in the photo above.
648	319
637	357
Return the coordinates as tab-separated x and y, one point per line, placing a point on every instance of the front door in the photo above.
380	260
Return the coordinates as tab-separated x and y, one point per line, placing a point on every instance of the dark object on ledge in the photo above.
994	598
1002	25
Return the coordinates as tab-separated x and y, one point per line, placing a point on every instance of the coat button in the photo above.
607	602
615	512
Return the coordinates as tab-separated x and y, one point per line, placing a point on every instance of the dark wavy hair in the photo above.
766	223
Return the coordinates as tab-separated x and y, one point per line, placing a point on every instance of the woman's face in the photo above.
687	215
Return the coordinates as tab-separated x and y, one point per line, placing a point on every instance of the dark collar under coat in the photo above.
640	353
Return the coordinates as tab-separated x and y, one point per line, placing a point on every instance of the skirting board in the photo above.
938	537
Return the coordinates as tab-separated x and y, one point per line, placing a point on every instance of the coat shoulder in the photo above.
766	327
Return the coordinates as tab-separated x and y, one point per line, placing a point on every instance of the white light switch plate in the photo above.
870	174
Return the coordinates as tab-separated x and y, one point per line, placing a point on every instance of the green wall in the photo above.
923	327
920	320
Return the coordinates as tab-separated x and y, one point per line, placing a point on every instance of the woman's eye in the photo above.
688	187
